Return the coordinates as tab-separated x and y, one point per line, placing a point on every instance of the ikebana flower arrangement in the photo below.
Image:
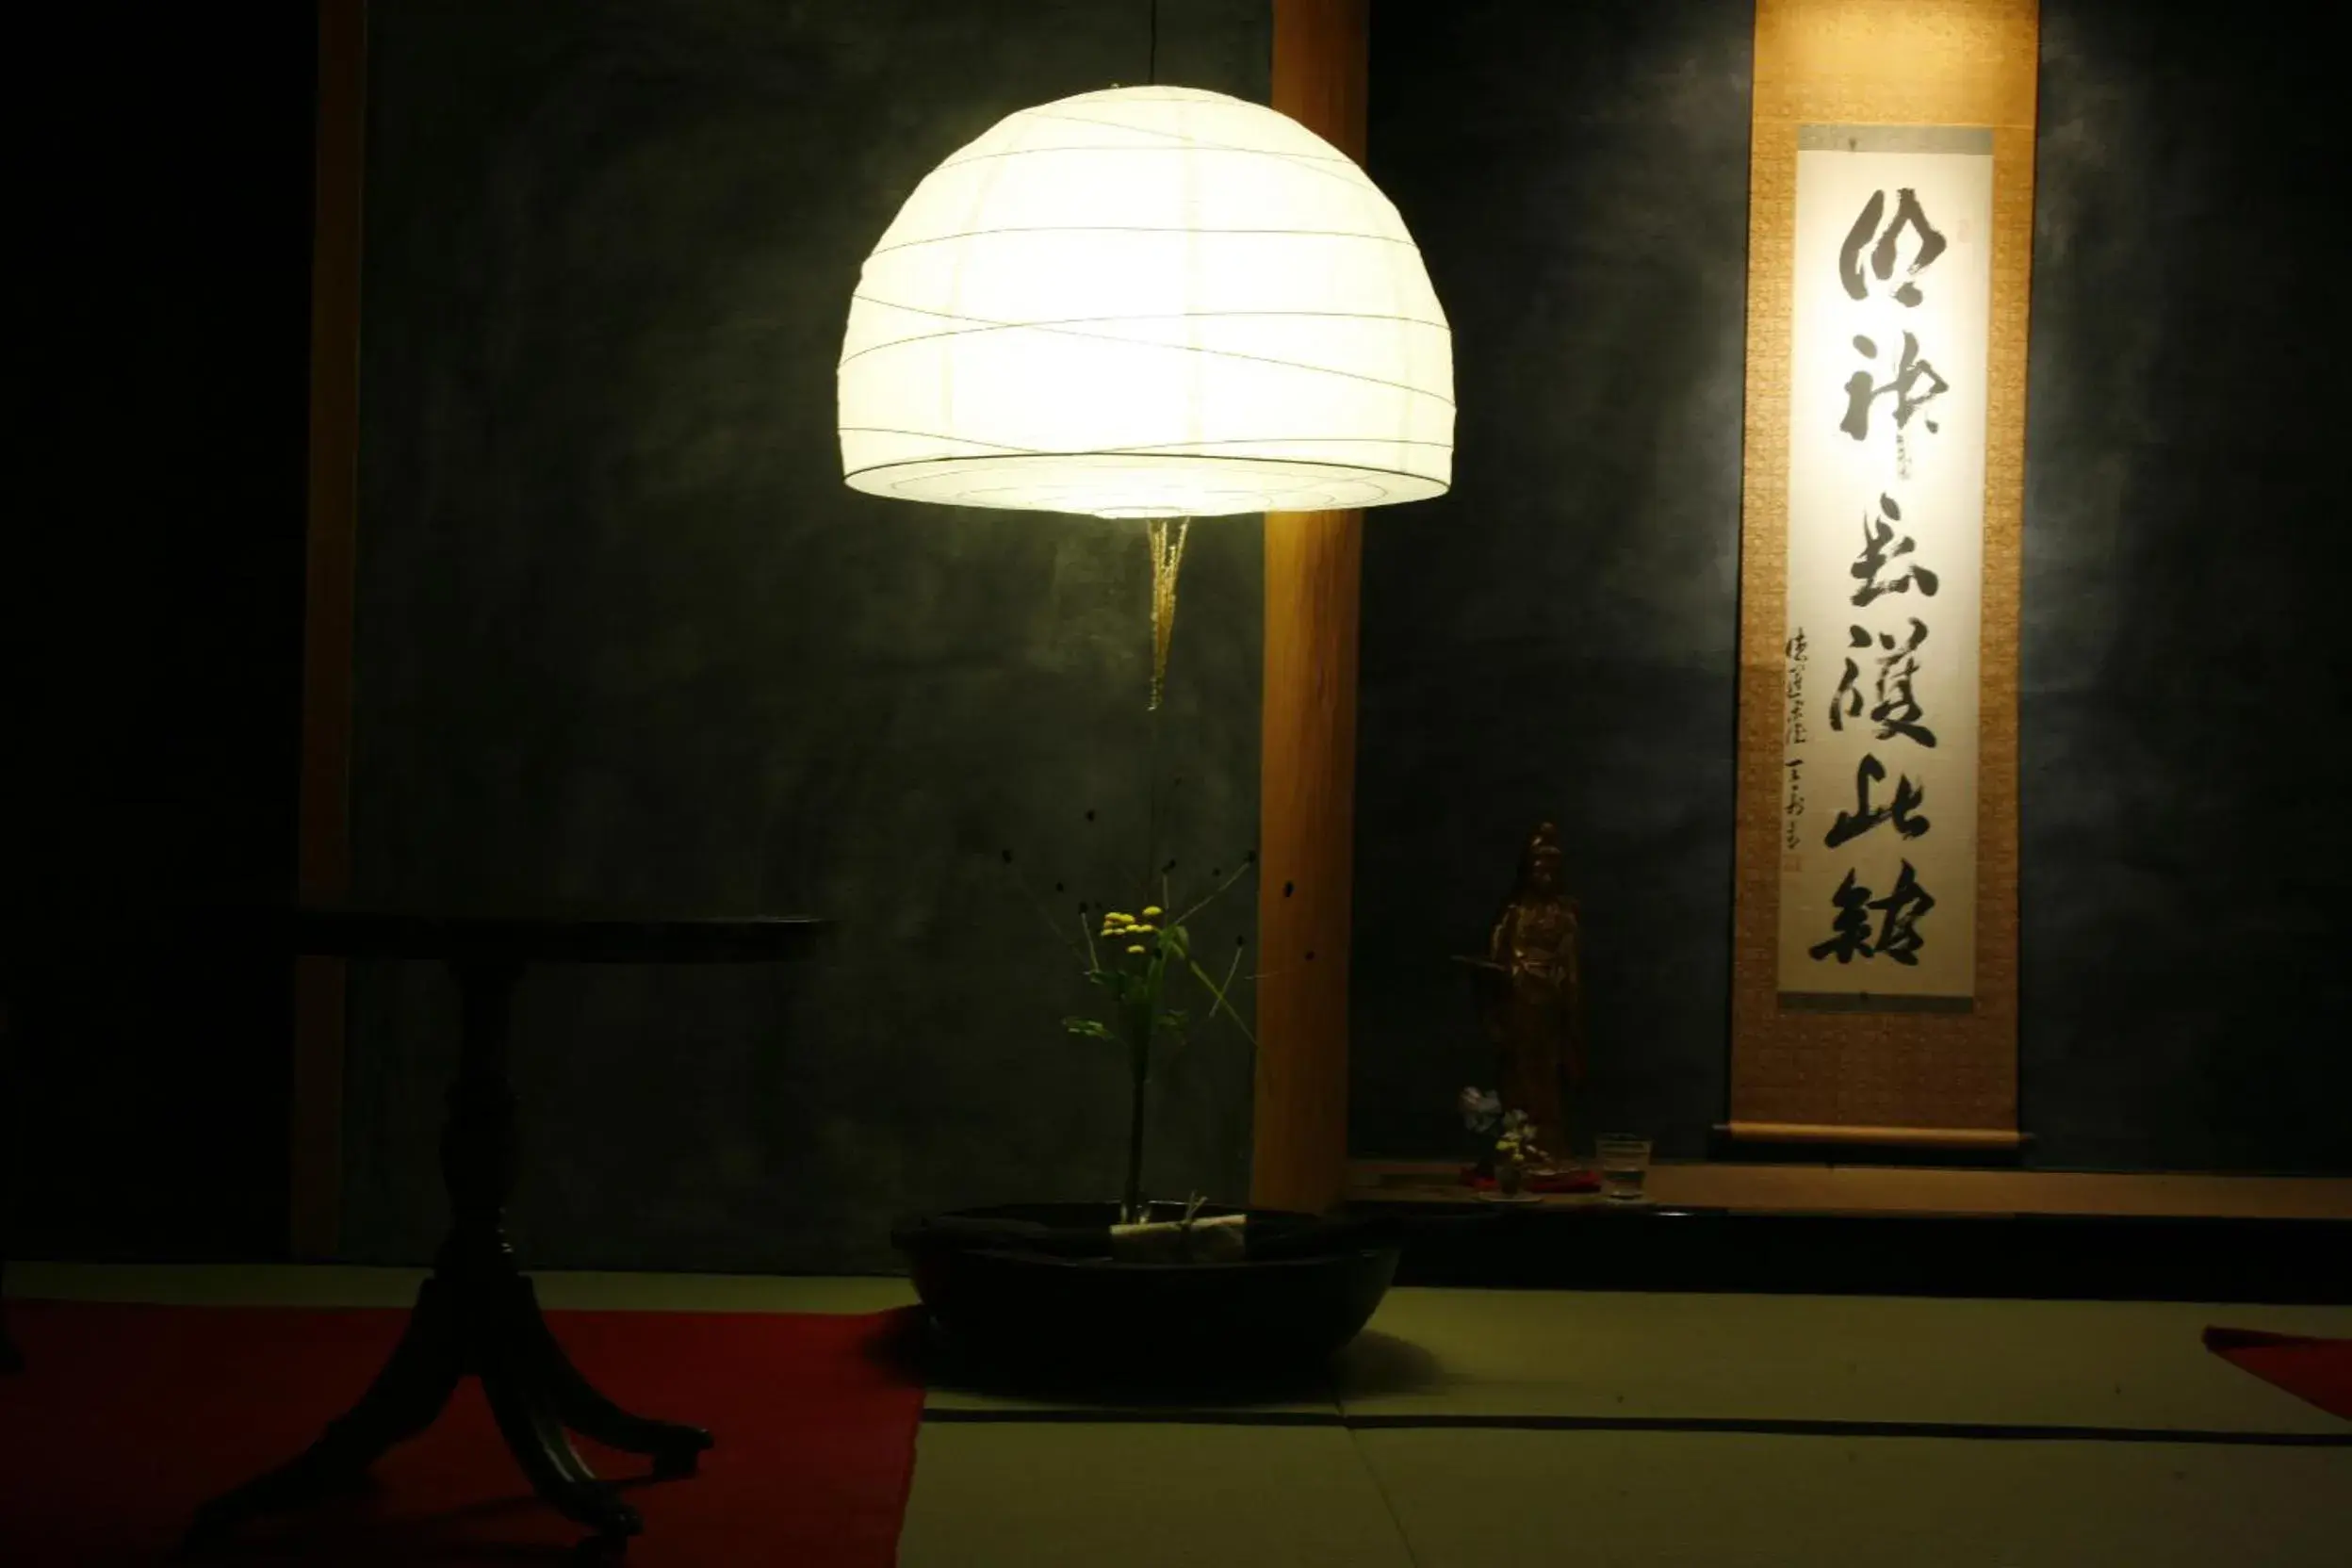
1144	962
1319	376
1515	1151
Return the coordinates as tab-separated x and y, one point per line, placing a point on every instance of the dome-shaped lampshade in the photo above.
1149	302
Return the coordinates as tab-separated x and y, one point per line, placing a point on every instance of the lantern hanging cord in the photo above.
1167	556
1151	53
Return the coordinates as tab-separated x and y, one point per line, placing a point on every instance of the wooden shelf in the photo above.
1910	1189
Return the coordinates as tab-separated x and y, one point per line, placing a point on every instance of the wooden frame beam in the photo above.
1307	781
1911	1190
323	858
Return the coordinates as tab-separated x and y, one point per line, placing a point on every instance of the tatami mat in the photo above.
1472	1499
1532	1352
1074	1495
1450	1353
1030	1483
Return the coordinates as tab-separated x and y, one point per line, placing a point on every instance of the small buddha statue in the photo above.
1530	994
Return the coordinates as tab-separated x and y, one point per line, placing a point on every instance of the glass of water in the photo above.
1624	1162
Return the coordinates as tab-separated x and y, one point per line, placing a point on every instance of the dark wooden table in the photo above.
477	1315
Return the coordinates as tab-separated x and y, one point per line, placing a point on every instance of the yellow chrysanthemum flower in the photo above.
1136	949
1112	917
1150	911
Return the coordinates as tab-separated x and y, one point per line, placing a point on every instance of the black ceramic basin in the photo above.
1087	1315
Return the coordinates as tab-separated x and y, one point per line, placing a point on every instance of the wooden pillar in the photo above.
323	866
1307	782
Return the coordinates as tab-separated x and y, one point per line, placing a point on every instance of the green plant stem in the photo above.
1141	1026
1151	816
1131	1205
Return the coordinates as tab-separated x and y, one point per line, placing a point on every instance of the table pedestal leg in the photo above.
577	1403
477	1316
13	1360
402	1401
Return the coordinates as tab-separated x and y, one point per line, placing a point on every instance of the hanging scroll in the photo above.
1886	532
1890	235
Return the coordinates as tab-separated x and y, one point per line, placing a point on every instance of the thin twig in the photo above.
1046	915
1209	983
1232	968
1214	894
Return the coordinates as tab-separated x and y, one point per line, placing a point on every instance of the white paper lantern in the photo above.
1148	303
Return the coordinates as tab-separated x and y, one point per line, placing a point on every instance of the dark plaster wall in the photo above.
2185	855
624	637
1557	637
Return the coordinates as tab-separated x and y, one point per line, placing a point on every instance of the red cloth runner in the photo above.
127	1417
2317	1370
